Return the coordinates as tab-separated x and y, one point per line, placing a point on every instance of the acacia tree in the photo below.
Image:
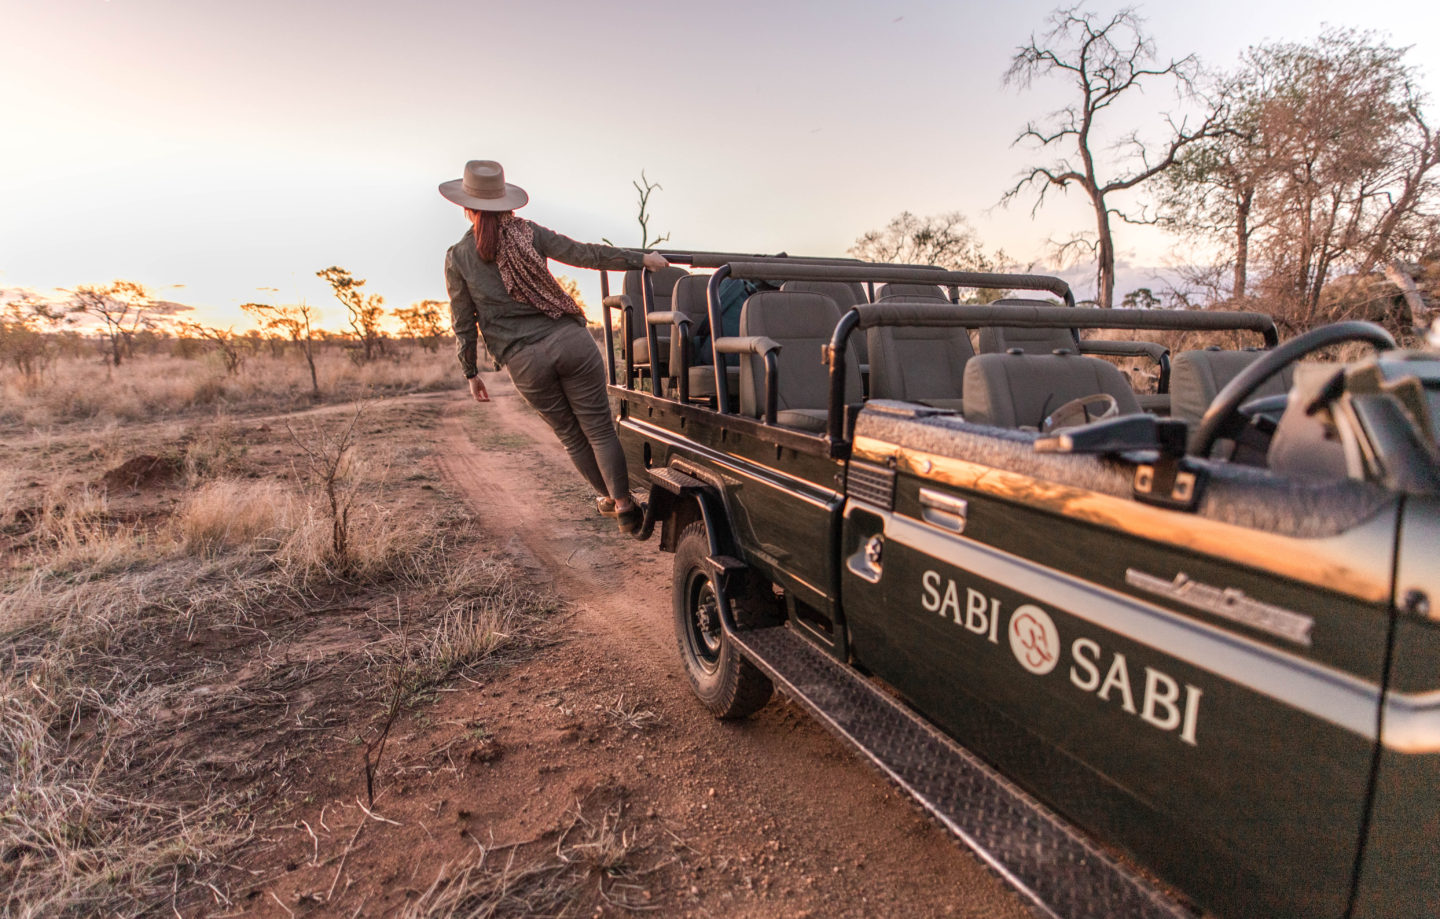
944	240
1104	59
1326	161
365	310
294	321
225	342
123	307
1211	190
421	321
23	339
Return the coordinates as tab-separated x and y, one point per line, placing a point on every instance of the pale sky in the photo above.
212	150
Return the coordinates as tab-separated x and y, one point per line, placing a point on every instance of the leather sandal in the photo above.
606	506
629	520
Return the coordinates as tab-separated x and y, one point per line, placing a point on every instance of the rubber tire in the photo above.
729	685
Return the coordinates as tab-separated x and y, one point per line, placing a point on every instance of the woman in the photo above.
499	284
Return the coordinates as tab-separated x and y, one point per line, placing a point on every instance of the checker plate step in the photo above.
1035	851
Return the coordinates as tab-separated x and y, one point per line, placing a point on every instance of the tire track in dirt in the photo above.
620	587
815	810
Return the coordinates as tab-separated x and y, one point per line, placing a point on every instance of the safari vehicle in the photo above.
1179	659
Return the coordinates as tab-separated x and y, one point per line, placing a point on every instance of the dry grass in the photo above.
594	860
71	843
631	715
227	514
134	757
161	386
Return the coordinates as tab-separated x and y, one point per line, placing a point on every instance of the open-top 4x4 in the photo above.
1182	656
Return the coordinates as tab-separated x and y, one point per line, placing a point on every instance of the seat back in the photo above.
664	283
802	324
1000	339
918	364
689	297
910	292
1197	376
1021	390
845	294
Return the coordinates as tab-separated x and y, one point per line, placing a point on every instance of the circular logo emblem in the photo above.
1034	640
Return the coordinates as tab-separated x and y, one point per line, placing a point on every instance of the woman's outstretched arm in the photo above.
591	255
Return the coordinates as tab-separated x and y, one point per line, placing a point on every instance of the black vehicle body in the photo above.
1227	673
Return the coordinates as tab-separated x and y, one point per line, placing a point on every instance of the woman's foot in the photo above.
605	505
629	516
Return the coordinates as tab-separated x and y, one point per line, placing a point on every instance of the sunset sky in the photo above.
225	152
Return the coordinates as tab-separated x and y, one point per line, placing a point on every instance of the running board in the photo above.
1037	852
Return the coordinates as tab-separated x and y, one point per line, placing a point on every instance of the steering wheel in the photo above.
1223	417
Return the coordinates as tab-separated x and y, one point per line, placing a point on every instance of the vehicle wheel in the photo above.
728	684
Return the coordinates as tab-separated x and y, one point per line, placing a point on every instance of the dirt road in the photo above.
840	841
586	780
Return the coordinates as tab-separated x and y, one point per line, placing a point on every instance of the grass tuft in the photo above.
594	860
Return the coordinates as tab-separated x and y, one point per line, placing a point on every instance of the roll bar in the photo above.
792	269
919	313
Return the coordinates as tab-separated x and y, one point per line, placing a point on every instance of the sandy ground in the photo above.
583	779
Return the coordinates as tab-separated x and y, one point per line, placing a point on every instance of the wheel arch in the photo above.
680	495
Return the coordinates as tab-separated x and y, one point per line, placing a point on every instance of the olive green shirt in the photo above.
478	299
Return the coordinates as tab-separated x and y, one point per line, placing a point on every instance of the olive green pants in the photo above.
562	376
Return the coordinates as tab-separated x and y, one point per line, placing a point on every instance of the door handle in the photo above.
945	511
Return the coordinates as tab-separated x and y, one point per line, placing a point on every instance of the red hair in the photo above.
487	232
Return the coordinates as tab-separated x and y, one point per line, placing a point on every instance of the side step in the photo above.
1031	848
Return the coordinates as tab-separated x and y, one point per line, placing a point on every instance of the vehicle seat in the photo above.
1001	339
1306	444
802	324
845	294
1021	390
1197	376
690	298
917	364
910	292
664	282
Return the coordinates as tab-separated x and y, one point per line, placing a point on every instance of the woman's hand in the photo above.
477	390
655	261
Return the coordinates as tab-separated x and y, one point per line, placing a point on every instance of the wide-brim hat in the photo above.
483	188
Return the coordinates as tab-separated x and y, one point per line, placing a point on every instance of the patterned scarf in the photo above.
523	271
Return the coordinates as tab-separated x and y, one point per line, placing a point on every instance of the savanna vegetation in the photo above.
225	568
1302	181
223	561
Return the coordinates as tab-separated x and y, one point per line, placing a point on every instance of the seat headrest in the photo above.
1020	390
781	314
845	293
1196	377
910	292
663	280
999	339
689	296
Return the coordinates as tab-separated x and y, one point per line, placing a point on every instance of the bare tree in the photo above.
644	188
1104	59
365	310
294	321
225	342
123	307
